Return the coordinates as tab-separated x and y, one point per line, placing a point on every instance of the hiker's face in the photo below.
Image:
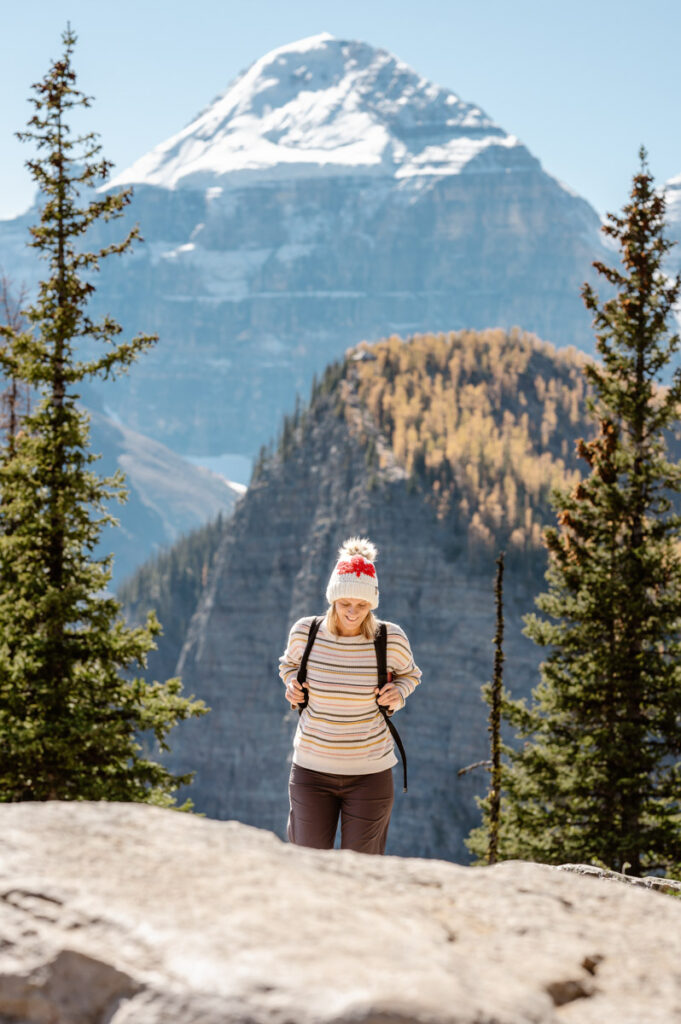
351	614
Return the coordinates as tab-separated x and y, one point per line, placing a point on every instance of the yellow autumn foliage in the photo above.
485	421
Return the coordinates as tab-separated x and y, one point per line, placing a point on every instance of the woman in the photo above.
343	751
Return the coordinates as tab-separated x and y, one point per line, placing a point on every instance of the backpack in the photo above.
380	646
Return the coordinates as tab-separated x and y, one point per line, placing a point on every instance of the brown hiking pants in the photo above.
363	803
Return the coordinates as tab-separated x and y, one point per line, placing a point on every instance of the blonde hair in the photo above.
368	629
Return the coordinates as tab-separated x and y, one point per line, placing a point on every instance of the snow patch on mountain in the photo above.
224	274
323	107
672	192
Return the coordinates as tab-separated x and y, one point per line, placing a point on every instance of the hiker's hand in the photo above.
389	697
294	693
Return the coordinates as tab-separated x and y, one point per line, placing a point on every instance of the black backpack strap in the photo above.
381	647
302	670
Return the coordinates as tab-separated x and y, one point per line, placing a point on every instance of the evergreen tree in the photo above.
70	708
599	777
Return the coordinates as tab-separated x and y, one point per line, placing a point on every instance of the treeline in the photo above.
294	425
483	420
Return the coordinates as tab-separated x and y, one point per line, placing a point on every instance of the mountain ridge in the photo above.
168	496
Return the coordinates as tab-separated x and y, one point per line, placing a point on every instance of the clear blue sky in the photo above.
582	82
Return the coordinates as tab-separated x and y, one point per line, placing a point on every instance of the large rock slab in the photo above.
129	914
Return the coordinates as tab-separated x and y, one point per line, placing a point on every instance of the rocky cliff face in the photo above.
272	567
330	194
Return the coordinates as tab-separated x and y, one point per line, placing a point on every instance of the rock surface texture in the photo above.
126	914
329	195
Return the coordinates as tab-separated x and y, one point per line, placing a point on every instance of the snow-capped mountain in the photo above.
329	195
322	107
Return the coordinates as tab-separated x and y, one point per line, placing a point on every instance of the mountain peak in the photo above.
299	46
323	106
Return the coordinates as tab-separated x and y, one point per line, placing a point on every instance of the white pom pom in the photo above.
358	546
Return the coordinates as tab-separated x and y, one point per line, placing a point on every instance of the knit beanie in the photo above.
354	574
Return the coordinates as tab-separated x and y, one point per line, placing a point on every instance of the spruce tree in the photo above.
599	776
71	708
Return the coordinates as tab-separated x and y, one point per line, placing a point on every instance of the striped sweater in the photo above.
342	730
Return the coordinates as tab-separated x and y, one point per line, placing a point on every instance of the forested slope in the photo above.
442	448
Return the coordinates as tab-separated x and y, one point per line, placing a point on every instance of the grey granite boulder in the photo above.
129	914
